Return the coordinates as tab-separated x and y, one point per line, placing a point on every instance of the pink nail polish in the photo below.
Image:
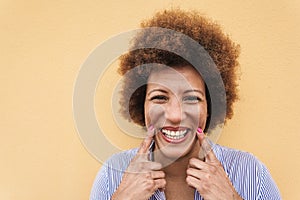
151	127
199	130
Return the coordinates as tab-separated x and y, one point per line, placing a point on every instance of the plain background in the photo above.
44	43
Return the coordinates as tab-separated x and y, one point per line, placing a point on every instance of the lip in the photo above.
175	141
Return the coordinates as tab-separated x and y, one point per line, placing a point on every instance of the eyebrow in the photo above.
187	91
157	90
199	91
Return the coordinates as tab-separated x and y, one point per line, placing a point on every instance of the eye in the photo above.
159	99
192	99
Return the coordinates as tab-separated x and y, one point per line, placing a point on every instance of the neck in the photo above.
176	169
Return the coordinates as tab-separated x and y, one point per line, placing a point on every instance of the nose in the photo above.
173	111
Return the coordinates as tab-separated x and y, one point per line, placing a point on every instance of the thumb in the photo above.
147	141
205	147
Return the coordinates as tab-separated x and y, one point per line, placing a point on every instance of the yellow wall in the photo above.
44	43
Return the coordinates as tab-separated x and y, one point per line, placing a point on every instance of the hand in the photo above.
142	177
208	177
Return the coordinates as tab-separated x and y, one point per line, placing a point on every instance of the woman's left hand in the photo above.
208	177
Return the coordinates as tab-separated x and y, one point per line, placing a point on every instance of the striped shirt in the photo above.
248	175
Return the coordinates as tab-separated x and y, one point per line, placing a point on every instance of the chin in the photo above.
175	151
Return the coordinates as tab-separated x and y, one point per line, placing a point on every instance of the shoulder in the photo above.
238	164
229	156
247	173
110	174
127	155
121	160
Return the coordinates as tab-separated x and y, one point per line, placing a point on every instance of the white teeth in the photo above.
174	134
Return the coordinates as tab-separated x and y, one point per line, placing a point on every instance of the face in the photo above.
176	106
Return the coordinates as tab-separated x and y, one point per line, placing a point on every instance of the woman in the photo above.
176	160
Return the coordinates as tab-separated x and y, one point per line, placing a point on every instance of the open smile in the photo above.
174	135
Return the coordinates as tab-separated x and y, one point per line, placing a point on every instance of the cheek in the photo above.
202	116
197	113
154	114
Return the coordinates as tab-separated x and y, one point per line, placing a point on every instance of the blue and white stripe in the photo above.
248	175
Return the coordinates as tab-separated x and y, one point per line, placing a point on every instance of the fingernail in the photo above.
199	130
150	128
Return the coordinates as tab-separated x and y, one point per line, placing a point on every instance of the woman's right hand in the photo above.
142	177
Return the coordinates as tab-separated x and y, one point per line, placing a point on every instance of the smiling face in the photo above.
175	104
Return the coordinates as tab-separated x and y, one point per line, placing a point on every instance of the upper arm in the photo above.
267	187
100	188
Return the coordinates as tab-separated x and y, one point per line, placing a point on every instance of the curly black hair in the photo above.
221	49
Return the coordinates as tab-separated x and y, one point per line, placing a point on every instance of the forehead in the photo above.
181	76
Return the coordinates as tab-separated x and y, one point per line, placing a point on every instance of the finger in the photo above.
160	183
157	174
201	137
141	165
209	153
147	141
198	164
202	186
211	157
154	166
195	173
206	148
193	182
146	166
